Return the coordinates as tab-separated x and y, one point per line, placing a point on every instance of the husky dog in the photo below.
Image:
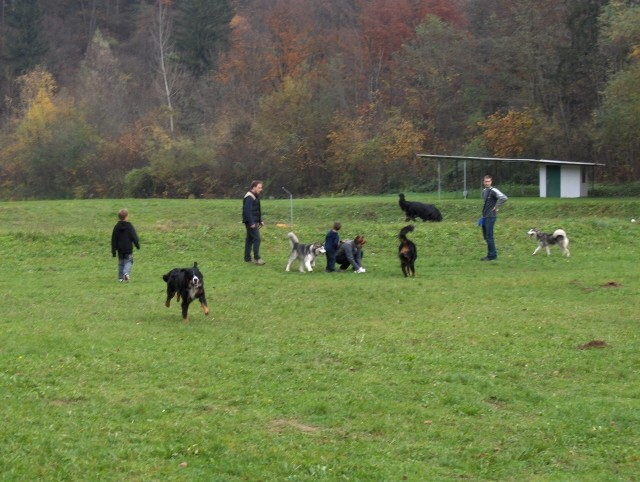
545	240
305	253
407	252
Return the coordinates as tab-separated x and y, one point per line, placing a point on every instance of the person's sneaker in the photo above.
120	280
360	270
259	262
126	278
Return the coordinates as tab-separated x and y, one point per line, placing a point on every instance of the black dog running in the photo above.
186	284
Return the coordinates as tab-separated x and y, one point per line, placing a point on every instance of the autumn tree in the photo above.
295	144
181	167
52	146
387	24
378	147
436	82
508	134
102	88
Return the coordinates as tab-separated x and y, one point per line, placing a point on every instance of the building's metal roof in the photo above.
507	159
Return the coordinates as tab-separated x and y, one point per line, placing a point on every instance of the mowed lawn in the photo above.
526	368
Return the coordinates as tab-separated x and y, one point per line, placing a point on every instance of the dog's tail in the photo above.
559	233
404	231
293	239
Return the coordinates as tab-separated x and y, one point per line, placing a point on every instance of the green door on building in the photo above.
553	181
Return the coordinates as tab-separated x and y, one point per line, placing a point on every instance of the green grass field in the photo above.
470	371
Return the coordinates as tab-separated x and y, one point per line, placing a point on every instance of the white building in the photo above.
564	179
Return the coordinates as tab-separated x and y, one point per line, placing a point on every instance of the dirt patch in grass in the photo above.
593	344
611	284
608	284
279	425
496	403
59	402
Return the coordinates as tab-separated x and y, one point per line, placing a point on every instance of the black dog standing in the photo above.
414	209
186	284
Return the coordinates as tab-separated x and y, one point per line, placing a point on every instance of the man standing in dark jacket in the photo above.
123	238
252	219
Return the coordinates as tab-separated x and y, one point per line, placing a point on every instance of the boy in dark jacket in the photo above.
123	238
331	245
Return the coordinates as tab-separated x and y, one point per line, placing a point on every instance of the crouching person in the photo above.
350	253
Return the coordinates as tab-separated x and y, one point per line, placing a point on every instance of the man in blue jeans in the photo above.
493	199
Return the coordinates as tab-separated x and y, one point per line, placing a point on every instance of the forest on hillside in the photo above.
194	98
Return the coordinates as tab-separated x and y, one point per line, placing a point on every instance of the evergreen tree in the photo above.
581	72
26	44
202	31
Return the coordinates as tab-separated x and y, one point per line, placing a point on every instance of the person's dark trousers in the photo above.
331	261
343	262
487	232
252	242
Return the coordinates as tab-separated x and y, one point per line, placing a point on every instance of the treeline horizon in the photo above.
195	98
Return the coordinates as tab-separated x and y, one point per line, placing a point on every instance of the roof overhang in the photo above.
508	159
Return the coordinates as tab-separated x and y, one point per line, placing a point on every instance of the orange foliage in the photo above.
135	142
292	28
387	24
508	134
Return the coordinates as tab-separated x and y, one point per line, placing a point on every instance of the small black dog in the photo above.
407	252
186	284
413	210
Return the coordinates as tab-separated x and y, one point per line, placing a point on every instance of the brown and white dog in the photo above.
545	240
186	284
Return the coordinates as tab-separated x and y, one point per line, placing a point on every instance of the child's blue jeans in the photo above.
125	263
